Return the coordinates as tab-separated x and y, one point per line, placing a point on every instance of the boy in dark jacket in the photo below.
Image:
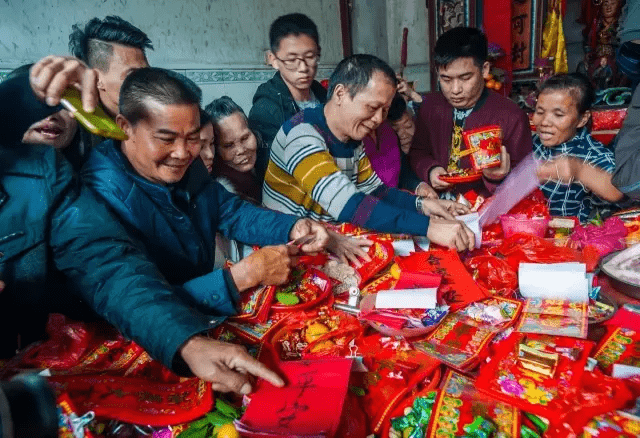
295	50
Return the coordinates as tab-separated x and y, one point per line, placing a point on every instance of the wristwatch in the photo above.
419	200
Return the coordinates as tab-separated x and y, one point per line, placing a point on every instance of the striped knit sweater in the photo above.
311	173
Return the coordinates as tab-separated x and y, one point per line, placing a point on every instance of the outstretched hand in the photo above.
452	234
349	249
318	237
228	367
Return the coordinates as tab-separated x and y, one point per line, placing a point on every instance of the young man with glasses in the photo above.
295	51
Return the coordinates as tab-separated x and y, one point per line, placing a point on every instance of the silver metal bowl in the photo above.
622	286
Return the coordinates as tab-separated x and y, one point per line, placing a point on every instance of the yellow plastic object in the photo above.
98	122
314	331
395	271
228	431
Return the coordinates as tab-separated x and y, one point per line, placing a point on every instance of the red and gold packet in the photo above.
484	144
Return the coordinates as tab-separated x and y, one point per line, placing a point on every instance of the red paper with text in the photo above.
457	287
310	404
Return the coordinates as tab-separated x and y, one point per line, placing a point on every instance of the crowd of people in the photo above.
137	230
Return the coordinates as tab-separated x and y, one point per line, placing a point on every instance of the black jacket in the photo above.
50	225
272	106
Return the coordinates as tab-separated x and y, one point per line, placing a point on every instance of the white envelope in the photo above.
424	298
472	220
558	281
403	247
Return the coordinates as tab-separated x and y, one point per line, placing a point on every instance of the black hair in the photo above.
355	72
93	44
154	84
576	84
397	108
204	118
187	83
461	42
224	107
292	24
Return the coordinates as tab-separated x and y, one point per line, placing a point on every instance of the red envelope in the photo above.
416	280
457	288
310	405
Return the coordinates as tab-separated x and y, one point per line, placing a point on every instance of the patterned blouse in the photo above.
575	199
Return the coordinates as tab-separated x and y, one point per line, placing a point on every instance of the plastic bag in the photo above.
605	239
531	249
598	394
492	274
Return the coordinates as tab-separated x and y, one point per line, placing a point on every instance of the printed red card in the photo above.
615	424
554	317
459	403
620	346
461	339
457	287
533	372
484	144
309	405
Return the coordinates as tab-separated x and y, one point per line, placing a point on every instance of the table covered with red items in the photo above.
483	362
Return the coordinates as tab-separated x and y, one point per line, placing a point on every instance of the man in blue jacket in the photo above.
52	225
157	185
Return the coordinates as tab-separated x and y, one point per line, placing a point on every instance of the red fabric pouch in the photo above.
137	401
395	369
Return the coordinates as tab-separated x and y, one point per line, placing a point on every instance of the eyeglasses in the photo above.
310	60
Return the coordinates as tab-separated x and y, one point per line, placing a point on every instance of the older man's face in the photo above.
162	146
361	115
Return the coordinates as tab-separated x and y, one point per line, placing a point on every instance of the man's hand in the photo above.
454	207
434	178
439	208
269	265
317	232
499	173
349	249
50	76
452	234
407	92
426	191
1	286
227	366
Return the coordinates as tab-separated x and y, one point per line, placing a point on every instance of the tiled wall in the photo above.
239	84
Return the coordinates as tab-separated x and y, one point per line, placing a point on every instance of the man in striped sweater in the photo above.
318	167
